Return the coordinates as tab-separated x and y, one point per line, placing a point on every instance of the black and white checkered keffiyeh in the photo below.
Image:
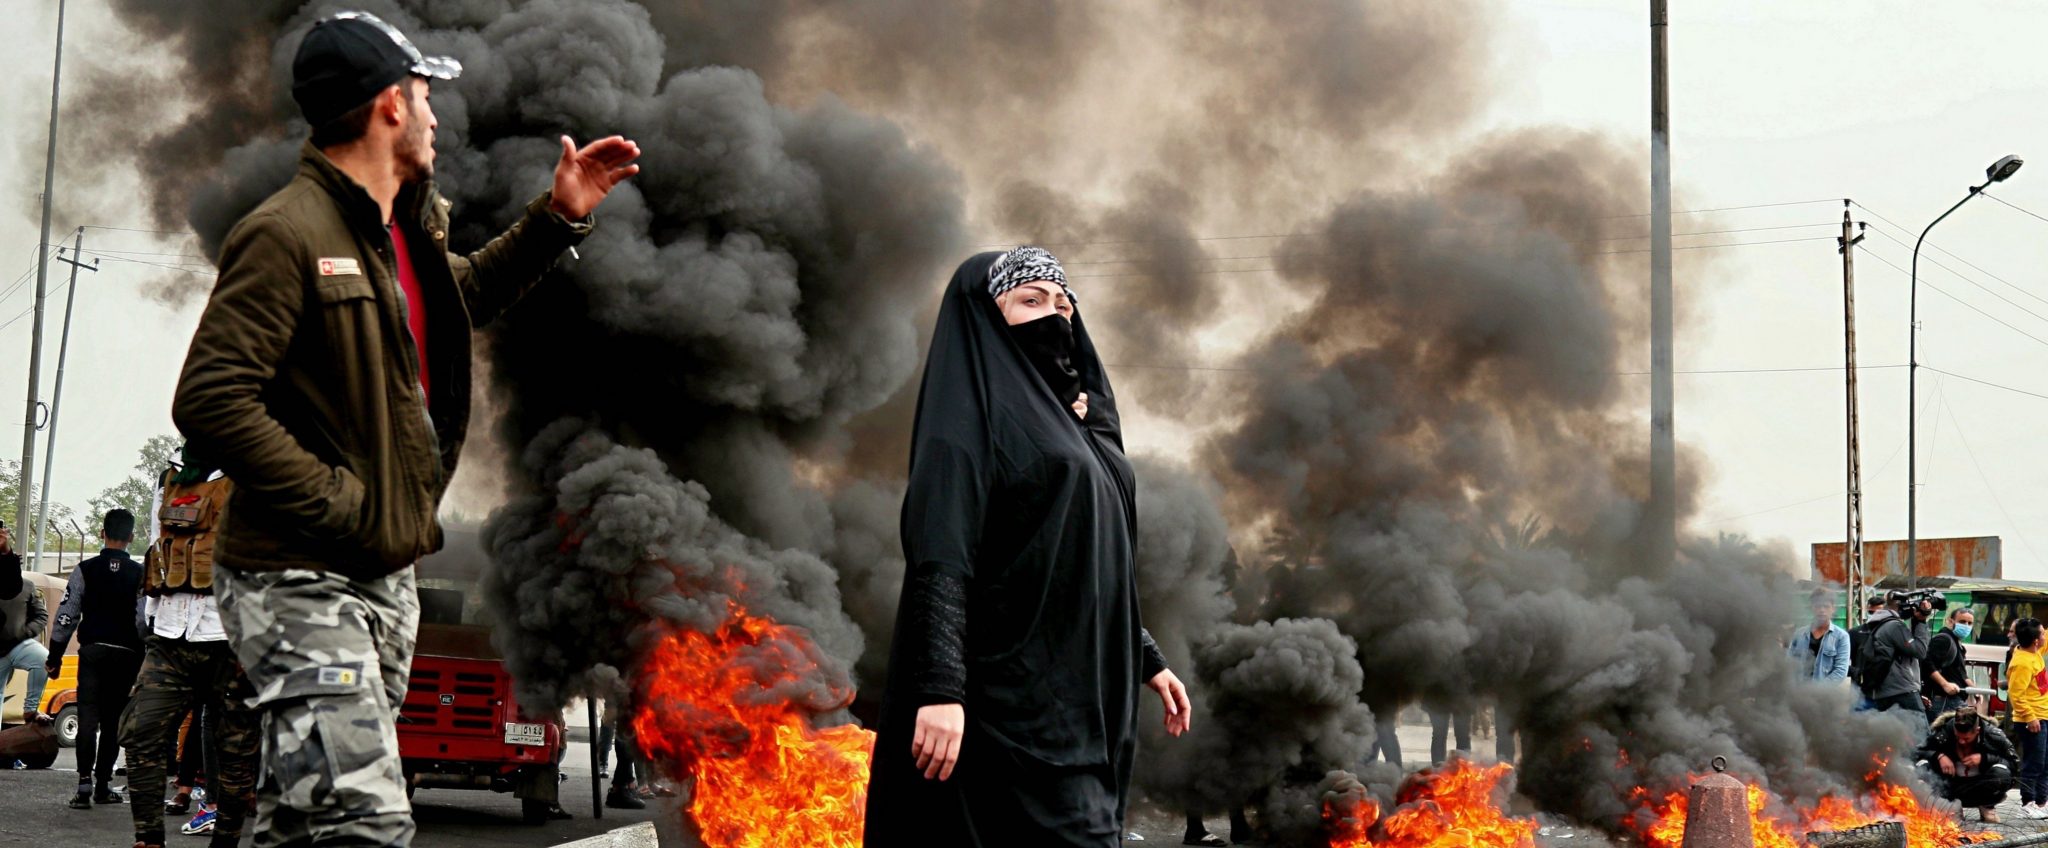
1024	265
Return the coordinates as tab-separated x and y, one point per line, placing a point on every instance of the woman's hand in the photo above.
1081	406
936	745
1179	713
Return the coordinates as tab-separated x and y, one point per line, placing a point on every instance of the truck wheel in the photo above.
67	727
533	812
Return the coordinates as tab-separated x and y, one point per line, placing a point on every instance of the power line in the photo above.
1013	242
1595	253
23	279
182	268
1985	382
1973	307
1322	255
1986	479
1239	369
137	230
2029	213
1951	254
1980	286
106	252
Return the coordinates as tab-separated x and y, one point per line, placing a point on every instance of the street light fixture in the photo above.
1999	171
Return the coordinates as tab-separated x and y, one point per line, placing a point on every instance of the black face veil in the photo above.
977	367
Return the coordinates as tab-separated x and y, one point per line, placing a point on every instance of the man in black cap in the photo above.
330	375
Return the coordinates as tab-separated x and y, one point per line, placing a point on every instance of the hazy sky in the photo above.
1897	105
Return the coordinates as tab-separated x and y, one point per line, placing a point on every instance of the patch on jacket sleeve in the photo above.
340	266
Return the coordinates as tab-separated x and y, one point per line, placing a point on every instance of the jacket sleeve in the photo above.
1930	747
496	277
68	612
947	496
1839	667
1997	745
1916	641
244	332
10	575
1153	661
1941	650
38	614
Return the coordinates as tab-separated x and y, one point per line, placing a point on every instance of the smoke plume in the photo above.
1389	354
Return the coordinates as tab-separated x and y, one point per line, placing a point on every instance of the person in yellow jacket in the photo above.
2027	690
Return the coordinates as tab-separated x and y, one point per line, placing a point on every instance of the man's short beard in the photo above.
415	165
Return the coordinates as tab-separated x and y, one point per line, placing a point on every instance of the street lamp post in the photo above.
1997	173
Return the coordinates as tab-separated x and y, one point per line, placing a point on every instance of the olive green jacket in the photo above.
304	380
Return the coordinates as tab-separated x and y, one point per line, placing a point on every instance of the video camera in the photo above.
1907	603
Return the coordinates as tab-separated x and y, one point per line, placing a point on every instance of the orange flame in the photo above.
1774	826
1450	807
760	774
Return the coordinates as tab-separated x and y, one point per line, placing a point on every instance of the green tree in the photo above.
61	535
137	491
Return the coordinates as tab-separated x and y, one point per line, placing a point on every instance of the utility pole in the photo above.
57	392
35	350
1663	517
1852	549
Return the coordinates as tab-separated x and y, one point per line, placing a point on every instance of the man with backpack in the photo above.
189	662
1893	644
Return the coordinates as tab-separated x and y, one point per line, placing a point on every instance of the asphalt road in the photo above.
33	814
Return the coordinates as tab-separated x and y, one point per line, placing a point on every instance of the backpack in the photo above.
181	560
1868	664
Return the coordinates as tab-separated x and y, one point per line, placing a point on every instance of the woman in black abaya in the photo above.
1010	717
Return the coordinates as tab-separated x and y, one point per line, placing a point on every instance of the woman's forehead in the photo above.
1044	287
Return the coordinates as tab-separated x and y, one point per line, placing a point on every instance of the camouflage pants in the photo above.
177	674
329	658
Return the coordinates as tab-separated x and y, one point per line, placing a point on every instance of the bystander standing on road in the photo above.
1890	666
102	607
1821	647
2027	690
330	376
188	667
1943	676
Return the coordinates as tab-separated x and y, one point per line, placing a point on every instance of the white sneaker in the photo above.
2034	811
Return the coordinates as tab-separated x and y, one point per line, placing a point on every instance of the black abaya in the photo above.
1019	601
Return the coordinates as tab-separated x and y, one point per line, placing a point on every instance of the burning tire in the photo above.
1880	835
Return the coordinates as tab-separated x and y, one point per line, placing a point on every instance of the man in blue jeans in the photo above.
23	617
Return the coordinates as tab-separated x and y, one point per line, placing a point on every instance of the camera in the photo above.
1908	603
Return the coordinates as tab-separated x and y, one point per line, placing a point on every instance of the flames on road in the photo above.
1461	806
712	710
1775	824
715	711
1456	806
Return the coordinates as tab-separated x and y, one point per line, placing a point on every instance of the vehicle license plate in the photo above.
519	733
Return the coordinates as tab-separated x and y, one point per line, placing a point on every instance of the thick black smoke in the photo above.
1396	351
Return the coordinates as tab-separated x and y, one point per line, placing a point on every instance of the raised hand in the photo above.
584	177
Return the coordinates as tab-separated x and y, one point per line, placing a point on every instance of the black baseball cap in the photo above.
350	56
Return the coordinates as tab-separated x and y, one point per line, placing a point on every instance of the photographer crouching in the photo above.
1896	645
